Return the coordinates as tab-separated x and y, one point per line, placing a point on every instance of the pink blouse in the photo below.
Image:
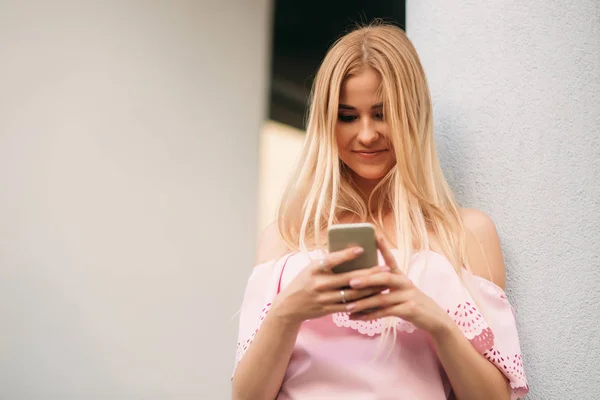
337	358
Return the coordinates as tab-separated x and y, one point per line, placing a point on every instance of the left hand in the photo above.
403	300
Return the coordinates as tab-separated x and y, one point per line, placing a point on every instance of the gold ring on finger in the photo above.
343	295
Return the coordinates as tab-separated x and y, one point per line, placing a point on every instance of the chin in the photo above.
370	174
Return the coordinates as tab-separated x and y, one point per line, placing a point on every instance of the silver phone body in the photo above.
342	236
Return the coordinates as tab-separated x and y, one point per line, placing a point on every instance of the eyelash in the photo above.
352	118
347	118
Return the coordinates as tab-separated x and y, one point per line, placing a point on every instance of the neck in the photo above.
366	187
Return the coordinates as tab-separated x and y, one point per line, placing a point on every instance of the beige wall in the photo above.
129	138
280	147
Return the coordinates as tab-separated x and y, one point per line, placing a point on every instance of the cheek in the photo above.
344	144
384	129
343	137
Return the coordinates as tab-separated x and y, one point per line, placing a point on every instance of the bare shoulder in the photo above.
483	246
270	244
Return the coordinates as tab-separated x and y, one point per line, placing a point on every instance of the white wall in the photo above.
516	89
128	185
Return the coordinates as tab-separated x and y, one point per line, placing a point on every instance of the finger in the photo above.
335	308
386	253
378	301
386	279
375	314
335	296
404	310
365	271
339	281
332	260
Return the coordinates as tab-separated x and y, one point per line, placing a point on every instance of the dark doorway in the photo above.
303	31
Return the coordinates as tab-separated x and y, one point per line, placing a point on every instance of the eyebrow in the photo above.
347	107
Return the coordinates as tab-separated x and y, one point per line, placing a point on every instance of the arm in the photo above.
312	293
260	372
471	375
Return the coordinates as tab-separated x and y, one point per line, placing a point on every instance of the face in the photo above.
361	130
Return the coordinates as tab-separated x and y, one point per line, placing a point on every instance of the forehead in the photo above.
363	88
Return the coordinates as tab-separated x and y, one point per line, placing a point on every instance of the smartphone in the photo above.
342	236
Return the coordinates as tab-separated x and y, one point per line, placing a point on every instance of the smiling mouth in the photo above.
369	153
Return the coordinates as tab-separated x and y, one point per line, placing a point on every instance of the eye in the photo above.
379	116
347	118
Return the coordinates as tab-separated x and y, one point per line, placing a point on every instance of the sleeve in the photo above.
488	320
261	289
482	311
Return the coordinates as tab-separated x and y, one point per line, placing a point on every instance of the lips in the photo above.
369	153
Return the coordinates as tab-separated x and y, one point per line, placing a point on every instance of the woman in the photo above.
369	156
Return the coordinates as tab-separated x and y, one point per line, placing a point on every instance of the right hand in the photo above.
316	290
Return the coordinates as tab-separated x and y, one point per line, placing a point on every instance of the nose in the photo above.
367	134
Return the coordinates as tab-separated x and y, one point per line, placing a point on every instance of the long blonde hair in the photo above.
415	190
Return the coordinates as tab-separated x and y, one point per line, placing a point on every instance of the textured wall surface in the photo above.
129	136
516	89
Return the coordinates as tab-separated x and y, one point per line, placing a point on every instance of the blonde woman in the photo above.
435	305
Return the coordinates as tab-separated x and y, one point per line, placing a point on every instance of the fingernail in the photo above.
385	268
350	307
355	282
358	250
